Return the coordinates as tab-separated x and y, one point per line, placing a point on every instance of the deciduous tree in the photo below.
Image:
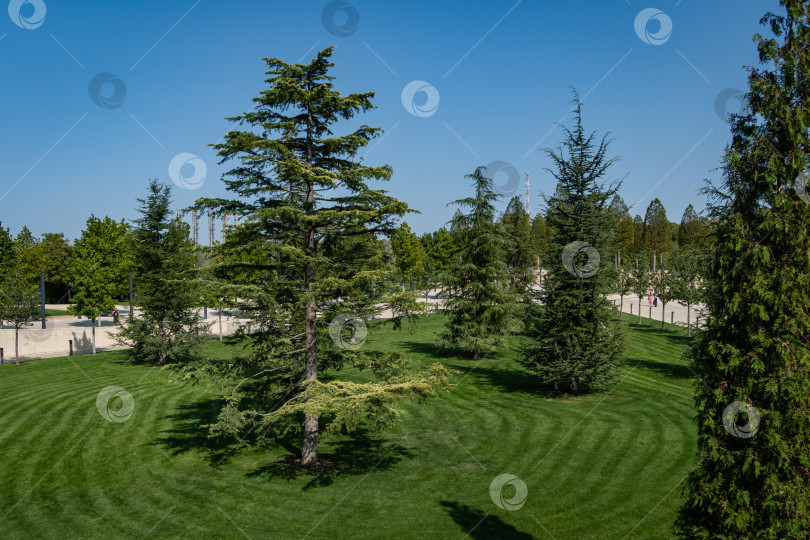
98	269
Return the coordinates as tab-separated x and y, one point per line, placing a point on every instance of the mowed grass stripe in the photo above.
604	461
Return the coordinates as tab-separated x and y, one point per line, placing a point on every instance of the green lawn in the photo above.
600	466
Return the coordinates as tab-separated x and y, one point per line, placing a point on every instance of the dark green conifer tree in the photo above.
752	478
167	326
301	189
482	310
577	345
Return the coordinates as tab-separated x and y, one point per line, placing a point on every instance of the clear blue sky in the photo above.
501	71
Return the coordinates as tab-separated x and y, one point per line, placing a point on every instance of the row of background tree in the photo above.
424	258
105	246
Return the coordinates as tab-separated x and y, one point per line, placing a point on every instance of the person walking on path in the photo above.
116	316
650	299
655	301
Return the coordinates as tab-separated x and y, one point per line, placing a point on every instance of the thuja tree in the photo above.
167	327
576	344
752	477
299	185
482	310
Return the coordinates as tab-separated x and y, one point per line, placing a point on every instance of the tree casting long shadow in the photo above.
479	525
515	380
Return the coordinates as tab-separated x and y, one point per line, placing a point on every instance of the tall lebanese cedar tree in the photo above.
577	345
303	193
482	308
167	327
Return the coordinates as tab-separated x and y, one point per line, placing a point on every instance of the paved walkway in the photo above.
72	321
673	312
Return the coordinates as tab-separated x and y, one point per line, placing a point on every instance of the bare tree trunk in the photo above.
639	308
17	345
94	336
309	449
663	314
621	305
220	323
688	319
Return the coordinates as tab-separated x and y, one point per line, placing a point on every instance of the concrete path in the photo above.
673	312
71	327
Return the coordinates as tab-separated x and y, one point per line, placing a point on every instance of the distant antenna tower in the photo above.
210	228
195	226
527	193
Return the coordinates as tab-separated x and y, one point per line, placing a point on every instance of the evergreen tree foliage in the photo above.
693	229
481	308
752	477
657	233
577	345
638	234
518	251
167	327
623	236
26	248
303	191
7	259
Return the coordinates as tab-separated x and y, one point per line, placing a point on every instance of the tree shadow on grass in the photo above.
515	380
673	371
479	525
509	379
356	456
434	350
188	434
672	337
